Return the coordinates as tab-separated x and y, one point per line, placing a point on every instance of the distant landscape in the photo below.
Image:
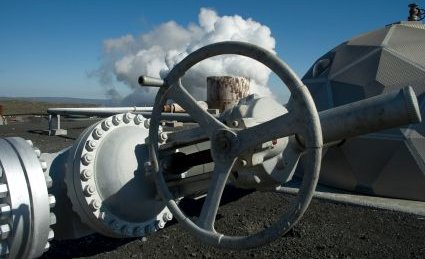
39	105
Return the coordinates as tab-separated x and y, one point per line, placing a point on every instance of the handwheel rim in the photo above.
313	143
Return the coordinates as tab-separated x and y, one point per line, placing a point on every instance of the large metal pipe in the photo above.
370	115
93	111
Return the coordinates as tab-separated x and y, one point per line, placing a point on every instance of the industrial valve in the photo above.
125	175
296	130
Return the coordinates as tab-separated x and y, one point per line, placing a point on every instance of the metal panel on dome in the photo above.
412	49
340	90
345	178
402	177
375	38
360	72
347	55
396	73
367	166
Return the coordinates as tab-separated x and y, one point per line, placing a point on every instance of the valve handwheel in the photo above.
227	144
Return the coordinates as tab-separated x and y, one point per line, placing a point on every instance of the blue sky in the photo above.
48	47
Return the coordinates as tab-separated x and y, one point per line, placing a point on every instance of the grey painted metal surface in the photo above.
229	144
25	202
377	62
106	180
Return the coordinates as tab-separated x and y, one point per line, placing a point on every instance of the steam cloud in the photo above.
156	52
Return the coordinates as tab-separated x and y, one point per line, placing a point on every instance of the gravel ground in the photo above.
327	230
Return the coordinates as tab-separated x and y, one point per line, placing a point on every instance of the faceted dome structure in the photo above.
390	163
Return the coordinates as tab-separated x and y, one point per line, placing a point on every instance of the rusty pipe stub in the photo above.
224	92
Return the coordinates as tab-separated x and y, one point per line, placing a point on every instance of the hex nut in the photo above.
4	231
86	175
43	165
29	141
167	216
5	211
37	152
138	119
91	145
116	120
52	218
97	133
147	123
106	125
95	204
87	159
52	201
128	117
163	136
159	224
89	190
51	235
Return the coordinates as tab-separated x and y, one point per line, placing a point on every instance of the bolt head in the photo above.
86	174
89	190
87	159
106	125
235	123
91	145
97	133
128	117
116	120
243	162
95	204
138	119
4	231
52	201
51	235
5	211
163	137
43	165
52	218
147	123
159	224
37	152
167	216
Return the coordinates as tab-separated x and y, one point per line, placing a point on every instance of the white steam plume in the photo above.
156	52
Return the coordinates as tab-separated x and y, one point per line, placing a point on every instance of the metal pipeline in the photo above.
92	111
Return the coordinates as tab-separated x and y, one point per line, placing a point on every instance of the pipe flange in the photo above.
108	186
25	204
51	197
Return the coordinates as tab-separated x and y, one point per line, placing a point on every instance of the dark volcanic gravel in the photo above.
327	230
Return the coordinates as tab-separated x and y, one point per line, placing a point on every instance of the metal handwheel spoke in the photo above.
179	94
215	191
282	126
